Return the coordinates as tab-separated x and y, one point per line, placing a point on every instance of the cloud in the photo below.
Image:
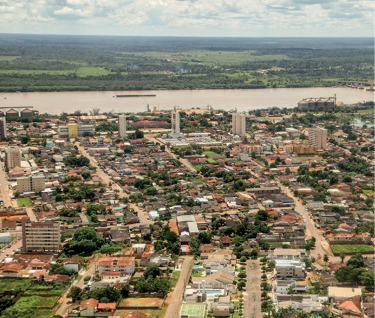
190	17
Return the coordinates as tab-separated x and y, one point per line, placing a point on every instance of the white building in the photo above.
123	264
239	124
318	137
286	268
122	126
175	124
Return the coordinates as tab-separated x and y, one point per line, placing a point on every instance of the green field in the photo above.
92	71
193	310
8	58
210	153
24	202
11	284
337	249
211	160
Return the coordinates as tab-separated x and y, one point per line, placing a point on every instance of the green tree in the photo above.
75	293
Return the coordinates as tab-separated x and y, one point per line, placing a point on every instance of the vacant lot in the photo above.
337	249
24	202
11	284
142	302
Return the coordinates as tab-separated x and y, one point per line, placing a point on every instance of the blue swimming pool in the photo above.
214	291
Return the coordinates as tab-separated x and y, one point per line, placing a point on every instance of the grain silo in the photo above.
303	104
12	113
27	113
312	103
330	102
321	102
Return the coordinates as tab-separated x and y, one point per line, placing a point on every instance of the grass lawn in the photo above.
24	202
197	167
210	153
368	192
176	275
337	249
8	58
193	310
198	181
196	274
211	160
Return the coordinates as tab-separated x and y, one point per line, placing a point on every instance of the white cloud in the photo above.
191	17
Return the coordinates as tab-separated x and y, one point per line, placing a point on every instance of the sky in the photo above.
233	18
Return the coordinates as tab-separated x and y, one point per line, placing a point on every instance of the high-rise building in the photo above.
175	124
31	183
318	137
40	236
3	129
12	157
122	126
239	124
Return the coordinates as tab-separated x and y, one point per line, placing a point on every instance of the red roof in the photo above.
111	306
89	302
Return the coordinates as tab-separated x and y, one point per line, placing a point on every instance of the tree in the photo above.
125	290
342	256
242	275
325	258
74	293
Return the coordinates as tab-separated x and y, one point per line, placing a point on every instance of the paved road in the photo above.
64	300
31	214
174	298
15	244
4	188
143	217
252	294
321	246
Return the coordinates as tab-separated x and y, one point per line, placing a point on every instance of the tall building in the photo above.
31	183
122	126
12	157
175	124
74	131
318	137
239	124
40	236
3	129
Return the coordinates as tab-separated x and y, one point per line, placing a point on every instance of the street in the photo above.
4	189
143	217
174	298
252	293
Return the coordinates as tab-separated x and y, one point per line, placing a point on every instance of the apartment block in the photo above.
122	126
124	265
74	131
175	121
318	137
289	268
31	183
239	124
40	236
3	129
12	157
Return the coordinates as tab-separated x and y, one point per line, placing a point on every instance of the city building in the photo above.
3	129
122	126
239	124
74	131
318	137
40	236
175	124
12	157
289	268
123	264
31	183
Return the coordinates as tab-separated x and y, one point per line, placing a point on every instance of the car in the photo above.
9	246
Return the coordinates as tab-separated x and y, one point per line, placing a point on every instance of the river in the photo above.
243	100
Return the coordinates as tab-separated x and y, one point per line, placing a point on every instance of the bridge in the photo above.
358	84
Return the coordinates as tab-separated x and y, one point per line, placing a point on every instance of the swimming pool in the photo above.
214	291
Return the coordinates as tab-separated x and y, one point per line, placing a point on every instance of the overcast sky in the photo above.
248	18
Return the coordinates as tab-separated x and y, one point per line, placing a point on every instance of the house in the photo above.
284	286
306	302
218	280
123	264
87	308
287	253
343	293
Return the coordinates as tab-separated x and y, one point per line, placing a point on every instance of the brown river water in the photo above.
243	100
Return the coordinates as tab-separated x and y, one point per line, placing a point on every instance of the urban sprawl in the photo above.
191	213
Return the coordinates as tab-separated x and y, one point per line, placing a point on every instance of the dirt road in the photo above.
174	299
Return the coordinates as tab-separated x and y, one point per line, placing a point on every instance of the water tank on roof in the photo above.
128	171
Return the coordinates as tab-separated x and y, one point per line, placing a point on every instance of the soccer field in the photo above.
193	310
